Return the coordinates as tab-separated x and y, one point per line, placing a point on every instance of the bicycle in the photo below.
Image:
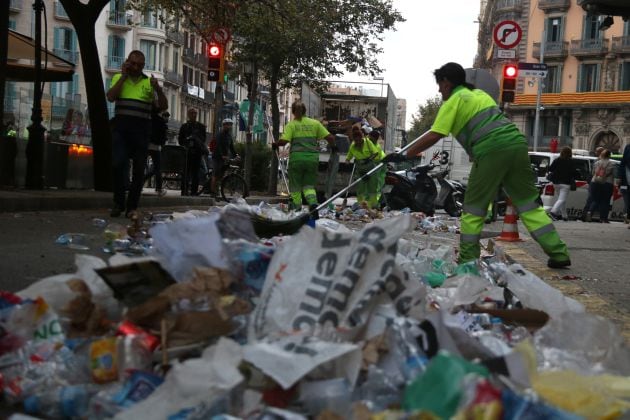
232	184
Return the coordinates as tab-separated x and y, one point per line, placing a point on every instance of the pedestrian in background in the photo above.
134	94
223	153
158	139
562	174
192	135
602	184
623	181
303	133
589	197
499	153
365	155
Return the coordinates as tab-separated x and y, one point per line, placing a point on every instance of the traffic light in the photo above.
508	83
216	62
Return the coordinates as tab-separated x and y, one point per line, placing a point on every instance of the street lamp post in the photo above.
539	92
35	146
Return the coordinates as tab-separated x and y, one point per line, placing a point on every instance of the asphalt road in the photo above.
600	253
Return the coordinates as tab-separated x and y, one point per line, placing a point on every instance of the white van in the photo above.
577	199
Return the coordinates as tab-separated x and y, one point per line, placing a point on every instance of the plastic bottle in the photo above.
70	401
412	361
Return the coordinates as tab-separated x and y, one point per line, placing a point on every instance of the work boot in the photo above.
313	210
551	263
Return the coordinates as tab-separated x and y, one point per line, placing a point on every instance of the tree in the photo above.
422	120
83	17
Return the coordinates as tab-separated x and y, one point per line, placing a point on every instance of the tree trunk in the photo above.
272	188
83	17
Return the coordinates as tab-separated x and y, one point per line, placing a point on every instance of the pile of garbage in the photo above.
211	322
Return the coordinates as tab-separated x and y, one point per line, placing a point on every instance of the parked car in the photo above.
577	199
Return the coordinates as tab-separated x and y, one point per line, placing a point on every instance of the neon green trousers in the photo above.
510	167
368	190
302	179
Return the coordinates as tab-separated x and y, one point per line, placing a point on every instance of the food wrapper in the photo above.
104	360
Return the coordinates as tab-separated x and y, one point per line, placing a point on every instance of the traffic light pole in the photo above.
539	93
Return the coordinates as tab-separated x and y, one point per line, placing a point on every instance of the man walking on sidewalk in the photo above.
134	94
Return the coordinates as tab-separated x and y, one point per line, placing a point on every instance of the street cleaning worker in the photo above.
499	154
366	156
374	135
303	134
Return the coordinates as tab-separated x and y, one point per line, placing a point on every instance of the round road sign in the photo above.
507	34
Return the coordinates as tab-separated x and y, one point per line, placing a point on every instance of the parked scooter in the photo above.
416	189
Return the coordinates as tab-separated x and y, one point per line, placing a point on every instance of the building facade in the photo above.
585	97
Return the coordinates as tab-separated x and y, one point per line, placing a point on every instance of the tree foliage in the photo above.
422	120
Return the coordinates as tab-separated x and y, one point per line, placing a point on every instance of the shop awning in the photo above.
21	62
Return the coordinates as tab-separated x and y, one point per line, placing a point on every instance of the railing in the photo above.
554	4
15	5
119	19
173	77
201	60
621	44
113	63
173	35
553	49
589	47
71	56
150	67
149	20
60	12
504	6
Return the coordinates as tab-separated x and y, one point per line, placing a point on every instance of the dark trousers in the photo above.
129	142
191	185
601	199
155	169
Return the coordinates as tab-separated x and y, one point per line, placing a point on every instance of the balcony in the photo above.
621	44
119	20
68	55
554	5
60	12
553	49
589	47
113	63
173	78
15	5
174	36
508	6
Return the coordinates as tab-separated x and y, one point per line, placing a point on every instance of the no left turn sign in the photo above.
507	34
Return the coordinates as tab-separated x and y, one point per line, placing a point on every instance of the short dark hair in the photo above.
454	73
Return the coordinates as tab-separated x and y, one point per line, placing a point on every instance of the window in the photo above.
65	44
65	90
591	27
624	76
115	51
588	78
555	30
553	81
175	67
149	49
149	19
11	24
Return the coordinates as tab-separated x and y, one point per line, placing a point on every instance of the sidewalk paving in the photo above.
19	200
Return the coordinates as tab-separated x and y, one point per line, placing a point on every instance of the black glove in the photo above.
274	146
394	157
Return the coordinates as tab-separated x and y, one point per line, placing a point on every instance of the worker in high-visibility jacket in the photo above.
366	156
303	134
499	153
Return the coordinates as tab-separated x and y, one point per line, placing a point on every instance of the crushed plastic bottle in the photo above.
69	401
100	223
411	359
73	241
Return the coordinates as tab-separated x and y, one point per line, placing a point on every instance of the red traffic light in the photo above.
214	50
510	70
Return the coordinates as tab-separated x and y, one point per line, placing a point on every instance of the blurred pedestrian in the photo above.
499	153
159	128
135	94
192	135
223	153
589	197
562	171
623	181
303	133
602	183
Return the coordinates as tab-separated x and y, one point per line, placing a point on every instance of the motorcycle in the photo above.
416	189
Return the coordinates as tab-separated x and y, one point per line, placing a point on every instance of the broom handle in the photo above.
361	178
